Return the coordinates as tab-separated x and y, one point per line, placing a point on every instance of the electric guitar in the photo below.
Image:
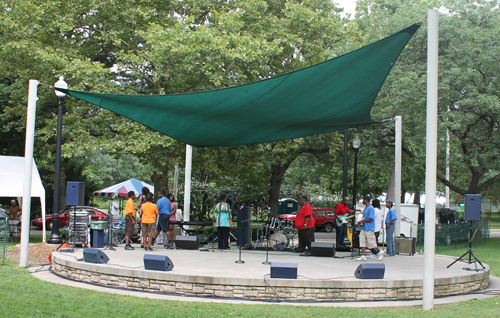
342	219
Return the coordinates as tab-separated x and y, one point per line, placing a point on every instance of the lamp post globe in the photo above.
55	238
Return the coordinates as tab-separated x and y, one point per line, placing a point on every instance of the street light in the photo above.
355	144
55	238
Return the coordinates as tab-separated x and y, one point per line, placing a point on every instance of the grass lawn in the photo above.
21	295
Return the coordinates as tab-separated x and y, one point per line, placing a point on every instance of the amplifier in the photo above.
187	242
405	245
322	249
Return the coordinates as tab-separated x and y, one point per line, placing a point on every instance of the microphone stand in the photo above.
267	246
239	261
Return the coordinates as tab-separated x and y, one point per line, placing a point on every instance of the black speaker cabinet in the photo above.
243	231
187	242
322	249
284	270
75	193
157	262
472	207
370	271
93	255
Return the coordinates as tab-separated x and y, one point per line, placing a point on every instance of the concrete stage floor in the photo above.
215	273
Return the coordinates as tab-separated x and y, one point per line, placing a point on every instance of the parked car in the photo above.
323	216
450	227
64	216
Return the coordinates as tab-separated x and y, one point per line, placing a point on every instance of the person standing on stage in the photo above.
148	220
129	220
367	235
378	218
164	207
390	227
341	211
223	222
173	217
304	222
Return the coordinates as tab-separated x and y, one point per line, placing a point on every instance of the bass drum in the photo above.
279	241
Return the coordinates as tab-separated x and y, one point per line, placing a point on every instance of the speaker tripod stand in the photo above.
470	252
73	236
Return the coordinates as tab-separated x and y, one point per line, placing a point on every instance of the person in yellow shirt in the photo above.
129	219
148	220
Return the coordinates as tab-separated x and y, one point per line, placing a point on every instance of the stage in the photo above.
215	273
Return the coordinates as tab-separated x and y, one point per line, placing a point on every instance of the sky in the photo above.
348	5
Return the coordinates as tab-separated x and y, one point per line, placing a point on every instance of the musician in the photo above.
304	222
223	221
341	211
129	219
367	235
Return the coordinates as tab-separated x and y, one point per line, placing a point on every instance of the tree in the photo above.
468	103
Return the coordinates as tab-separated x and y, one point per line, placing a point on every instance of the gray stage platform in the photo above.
320	278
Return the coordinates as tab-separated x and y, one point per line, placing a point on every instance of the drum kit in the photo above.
281	234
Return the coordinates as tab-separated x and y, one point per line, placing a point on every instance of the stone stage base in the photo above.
216	274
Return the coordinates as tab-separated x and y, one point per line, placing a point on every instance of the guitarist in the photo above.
342	210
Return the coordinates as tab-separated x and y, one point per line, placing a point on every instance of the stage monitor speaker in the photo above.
75	193
284	270
370	271
93	255
157	262
187	242
230	197
322	249
472	207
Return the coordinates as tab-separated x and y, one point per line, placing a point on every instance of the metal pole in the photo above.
354	187
55	238
187	182
176	181
447	189
397	171
431	159
344	185
28	171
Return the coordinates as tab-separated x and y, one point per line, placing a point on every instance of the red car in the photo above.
64	217
323	217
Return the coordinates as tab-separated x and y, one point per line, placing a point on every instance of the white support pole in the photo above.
187	182
176	181
431	159
28	170
397	171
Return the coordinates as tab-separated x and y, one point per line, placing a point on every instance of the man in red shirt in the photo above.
341	211
304	222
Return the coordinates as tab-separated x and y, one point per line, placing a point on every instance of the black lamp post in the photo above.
355	144
55	238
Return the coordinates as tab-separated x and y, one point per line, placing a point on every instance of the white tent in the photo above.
12	176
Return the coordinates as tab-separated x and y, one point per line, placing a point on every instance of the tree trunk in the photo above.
277	173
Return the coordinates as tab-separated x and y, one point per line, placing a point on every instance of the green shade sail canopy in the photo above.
333	95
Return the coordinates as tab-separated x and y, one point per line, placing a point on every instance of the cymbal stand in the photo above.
267	246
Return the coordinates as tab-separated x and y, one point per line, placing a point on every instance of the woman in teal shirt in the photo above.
223	221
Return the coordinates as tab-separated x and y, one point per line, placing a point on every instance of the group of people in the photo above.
153	218
371	224
368	237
